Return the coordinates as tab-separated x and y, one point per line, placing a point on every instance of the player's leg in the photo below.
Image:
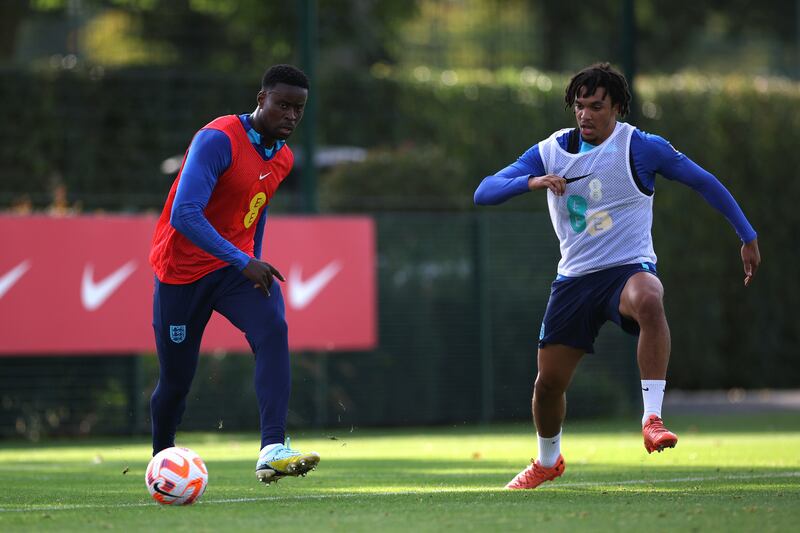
568	331
557	364
641	300
262	319
180	314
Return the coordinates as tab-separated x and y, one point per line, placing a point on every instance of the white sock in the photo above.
549	450
653	395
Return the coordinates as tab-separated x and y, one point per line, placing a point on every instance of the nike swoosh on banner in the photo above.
93	295
576	178
302	293
10	278
262	176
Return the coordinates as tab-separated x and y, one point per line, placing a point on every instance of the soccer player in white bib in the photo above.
599	179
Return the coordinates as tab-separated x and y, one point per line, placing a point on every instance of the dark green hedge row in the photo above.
746	135
104	136
743	131
435	135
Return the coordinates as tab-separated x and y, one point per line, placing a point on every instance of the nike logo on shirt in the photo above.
302	292
93	295
576	178
262	176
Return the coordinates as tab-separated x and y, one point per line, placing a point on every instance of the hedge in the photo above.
105	134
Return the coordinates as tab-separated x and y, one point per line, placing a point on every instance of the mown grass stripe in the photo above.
691	479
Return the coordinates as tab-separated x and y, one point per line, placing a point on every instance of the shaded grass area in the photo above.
732	473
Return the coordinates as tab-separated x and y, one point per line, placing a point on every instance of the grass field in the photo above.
727	474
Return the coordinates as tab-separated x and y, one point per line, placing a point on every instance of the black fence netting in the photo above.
461	297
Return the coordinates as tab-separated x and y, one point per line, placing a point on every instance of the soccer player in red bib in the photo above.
206	256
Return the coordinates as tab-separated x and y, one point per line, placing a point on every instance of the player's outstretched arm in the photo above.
261	274
498	188
751	258
510	181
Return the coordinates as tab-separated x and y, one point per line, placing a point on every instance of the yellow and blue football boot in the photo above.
280	461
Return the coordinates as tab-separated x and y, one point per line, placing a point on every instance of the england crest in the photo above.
177	333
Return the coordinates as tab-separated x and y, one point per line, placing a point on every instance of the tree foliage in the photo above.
221	35
552	35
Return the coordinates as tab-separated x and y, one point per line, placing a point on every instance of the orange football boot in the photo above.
536	474
656	436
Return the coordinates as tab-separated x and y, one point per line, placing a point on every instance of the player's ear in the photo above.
260	97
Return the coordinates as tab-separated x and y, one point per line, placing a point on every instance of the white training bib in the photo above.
603	219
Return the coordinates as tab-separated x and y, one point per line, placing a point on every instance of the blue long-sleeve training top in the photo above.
208	158
650	154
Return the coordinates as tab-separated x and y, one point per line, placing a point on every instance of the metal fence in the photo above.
461	297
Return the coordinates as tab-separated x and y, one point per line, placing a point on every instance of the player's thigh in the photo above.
570	318
180	315
252	311
643	293
556	366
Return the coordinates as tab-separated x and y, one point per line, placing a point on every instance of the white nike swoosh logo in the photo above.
302	293
11	277
93	295
262	176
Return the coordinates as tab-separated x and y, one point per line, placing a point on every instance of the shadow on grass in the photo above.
786	421
343	475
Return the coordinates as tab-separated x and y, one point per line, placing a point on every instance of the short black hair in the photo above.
600	75
287	74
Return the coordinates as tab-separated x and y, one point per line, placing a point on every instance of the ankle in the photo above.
269	447
549	450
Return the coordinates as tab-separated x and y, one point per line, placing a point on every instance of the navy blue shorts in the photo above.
579	306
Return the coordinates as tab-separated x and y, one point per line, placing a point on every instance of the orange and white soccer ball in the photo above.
176	476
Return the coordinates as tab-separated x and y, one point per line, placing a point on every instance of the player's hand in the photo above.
556	184
261	274
751	258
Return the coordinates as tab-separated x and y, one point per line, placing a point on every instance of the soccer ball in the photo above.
176	476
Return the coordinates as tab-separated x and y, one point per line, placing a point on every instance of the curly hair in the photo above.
287	74
600	75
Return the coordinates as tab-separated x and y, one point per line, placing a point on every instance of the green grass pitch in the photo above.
728	473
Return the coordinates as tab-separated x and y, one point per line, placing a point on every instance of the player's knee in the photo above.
648	306
547	387
171	390
277	328
273	330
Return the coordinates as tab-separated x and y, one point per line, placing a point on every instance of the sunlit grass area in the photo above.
732	473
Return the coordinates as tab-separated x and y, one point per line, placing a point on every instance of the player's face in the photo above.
595	115
280	109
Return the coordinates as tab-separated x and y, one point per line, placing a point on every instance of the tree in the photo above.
229	35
